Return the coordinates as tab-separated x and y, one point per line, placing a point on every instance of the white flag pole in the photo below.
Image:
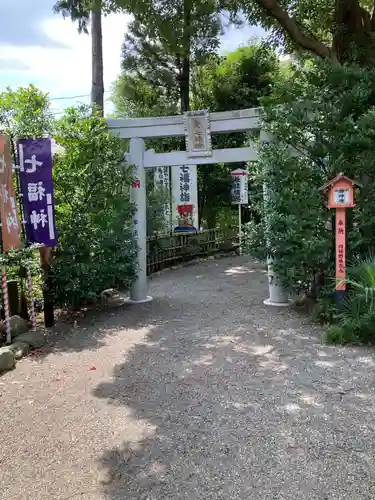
239	229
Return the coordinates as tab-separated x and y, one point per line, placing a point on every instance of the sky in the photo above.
39	47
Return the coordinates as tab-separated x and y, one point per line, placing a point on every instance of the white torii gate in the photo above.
191	125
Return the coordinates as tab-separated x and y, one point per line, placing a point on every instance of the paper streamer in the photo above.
4	285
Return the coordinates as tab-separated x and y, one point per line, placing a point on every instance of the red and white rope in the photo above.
31	295
4	286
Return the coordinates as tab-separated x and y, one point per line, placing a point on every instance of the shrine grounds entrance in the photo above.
197	127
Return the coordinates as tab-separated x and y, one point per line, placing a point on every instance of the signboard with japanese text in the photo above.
162	181
35	167
197	133
341	196
185	198
240	190
340	248
10	225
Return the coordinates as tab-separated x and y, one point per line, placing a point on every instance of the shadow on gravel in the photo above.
90	332
84	330
238	401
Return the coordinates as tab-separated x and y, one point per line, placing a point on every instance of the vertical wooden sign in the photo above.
340	197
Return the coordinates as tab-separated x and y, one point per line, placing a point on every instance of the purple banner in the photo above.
35	167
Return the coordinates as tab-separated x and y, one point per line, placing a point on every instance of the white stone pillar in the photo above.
139	289
278	296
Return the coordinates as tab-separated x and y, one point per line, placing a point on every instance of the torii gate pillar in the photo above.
278	296
139	289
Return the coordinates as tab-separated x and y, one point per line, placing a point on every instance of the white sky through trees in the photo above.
39	47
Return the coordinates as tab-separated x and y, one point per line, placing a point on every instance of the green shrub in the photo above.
323	122
324	309
356	323
358	316
155	213
93	210
339	334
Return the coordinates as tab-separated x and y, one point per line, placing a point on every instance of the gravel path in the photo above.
202	394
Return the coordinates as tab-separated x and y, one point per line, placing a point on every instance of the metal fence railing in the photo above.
171	250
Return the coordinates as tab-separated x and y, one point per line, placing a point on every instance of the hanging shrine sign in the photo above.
35	168
197	133
340	197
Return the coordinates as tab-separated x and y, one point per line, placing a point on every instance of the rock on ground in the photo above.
34	338
19	349
7	359
17	326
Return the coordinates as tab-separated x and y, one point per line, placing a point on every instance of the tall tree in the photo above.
97	81
343	30
25	112
167	38
133	96
237	81
80	11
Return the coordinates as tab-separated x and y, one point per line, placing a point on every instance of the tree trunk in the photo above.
353	35
211	217
290	26
97	88
185	91
185	73
353	38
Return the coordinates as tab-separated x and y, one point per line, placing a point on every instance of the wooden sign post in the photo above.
340	197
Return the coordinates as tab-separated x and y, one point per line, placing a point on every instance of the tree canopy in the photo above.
342	30
168	38
25	112
237	80
79	10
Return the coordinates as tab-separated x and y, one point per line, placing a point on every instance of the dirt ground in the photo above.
203	393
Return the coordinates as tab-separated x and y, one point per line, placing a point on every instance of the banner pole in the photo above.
31	294
240	228
4	286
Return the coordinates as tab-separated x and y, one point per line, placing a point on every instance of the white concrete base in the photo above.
269	302
128	300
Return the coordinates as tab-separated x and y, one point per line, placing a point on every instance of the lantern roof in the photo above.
338	178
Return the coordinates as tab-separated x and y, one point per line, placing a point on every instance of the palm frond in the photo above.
77	10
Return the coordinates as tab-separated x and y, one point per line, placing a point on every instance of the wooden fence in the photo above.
172	250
